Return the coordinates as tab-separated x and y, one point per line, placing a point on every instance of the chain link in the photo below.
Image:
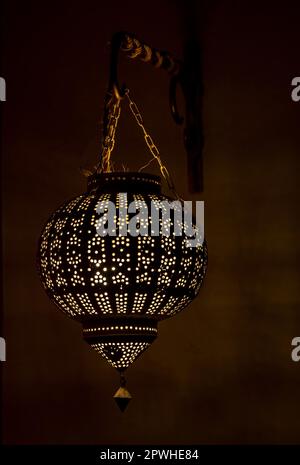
114	110
151	145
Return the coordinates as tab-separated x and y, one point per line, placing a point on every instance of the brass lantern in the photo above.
119	286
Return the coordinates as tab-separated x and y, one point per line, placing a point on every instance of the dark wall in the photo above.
221	371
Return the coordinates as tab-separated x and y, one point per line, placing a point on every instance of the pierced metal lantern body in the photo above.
118	287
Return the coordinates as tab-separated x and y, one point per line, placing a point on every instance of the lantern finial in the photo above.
122	396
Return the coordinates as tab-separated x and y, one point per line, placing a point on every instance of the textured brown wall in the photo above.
221	371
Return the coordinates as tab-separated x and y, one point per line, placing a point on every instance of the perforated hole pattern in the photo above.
89	276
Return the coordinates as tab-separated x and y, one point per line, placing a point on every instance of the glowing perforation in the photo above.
86	303
181	282
186	263
169	305
55	262
122	200
77	279
102	203
44	263
120	240
73	258
93	220
54	254
166	225
144	278
126	328
145	258
97	241
63	306
120	355
166	269
106	196
77	222
168	261
60	224
49	282
155	199
120	278
102	218
98	278
139	199
103	302
73	254
60	280
117	205
121	203
47	229
73	305
184	301
169	243
156	303
96	251
71	205
121	302
96	262
138	303
74	240
44	246
86	202
164	279
186	247
196	271
55	244
139	202
186	267
144	242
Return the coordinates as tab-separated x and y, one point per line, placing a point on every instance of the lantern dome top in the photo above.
125	182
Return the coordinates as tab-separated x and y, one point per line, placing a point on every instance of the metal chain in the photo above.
151	145
111	118
113	108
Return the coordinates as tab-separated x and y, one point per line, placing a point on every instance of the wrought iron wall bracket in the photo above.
187	75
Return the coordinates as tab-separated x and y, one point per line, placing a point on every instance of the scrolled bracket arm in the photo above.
133	48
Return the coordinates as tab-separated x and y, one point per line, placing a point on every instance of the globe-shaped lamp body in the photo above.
118	286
